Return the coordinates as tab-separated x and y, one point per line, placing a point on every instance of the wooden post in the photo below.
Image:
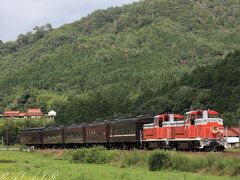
7	134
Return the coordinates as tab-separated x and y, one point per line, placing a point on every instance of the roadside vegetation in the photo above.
107	165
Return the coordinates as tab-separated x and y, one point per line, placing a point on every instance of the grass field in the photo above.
35	165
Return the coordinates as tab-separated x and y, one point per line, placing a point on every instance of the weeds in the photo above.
215	164
159	160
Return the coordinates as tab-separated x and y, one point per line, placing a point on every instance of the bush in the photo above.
97	155
158	160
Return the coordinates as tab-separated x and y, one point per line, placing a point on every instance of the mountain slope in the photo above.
117	55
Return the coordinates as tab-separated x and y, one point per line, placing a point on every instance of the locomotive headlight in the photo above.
206	140
214	129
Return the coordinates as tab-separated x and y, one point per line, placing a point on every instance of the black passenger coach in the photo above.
118	133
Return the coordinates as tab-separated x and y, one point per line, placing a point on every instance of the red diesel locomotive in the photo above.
197	130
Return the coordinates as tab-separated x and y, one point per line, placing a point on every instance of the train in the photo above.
199	130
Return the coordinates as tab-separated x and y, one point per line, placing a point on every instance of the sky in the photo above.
21	16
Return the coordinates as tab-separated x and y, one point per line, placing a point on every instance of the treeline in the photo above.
121	61
214	86
24	39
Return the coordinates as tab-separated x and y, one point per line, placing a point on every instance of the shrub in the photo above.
158	160
97	155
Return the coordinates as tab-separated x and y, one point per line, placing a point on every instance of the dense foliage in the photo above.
126	60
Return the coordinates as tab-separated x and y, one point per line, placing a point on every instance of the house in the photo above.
52	114
22	115
11	114
34	113
232	136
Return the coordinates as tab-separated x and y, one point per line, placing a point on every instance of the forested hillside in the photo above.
126	60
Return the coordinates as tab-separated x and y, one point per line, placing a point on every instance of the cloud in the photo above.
20	16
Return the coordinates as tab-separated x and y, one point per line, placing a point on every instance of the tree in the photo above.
39	32
22	40
183	99
48	27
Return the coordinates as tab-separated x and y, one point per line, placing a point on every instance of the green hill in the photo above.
117	61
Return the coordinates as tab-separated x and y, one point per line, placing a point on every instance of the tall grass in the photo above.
133	158
160	160
211	163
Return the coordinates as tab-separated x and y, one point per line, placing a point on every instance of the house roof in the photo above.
232	132
34	112
22	114
11	113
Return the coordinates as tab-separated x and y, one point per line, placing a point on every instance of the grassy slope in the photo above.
147	45
33	164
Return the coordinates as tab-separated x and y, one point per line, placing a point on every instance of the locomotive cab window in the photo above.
166	118
192	119
186	117
199	115
155	120
160	121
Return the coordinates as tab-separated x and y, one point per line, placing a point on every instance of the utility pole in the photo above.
7	134
226	135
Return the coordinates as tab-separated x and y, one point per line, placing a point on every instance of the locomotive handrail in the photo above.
175	123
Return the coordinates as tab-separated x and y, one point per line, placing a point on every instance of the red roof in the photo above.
232	132
22	114
11	113
34	112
